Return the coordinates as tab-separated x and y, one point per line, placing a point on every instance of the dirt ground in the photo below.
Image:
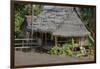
36	58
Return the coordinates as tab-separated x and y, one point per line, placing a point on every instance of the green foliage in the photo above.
91	45
37	10
27	9
86	14
55	50
18	22
65	50
21	10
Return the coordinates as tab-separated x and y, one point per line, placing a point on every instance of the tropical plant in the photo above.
21	10
88	16
55	50
37	10
18	22
91	48
65	50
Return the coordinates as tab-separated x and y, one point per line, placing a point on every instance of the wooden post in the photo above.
73	42
83	51
22	45
55	41
45	39
36	35
51	37
41	37
27	36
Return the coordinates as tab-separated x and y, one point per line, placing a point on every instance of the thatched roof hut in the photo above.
59	21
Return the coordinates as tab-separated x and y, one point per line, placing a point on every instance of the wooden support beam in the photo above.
56	41
36	34
73	42
51	37
45	38
22	45
83	51
42	37
27	36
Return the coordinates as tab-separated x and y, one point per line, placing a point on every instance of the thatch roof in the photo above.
62	21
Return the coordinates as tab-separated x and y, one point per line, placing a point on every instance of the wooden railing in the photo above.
26	43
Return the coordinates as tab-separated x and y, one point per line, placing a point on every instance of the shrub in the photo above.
55	50
65	50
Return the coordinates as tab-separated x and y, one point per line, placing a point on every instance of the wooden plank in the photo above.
25	39
26	43
23	47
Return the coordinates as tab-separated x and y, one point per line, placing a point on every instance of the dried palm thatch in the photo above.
60	21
